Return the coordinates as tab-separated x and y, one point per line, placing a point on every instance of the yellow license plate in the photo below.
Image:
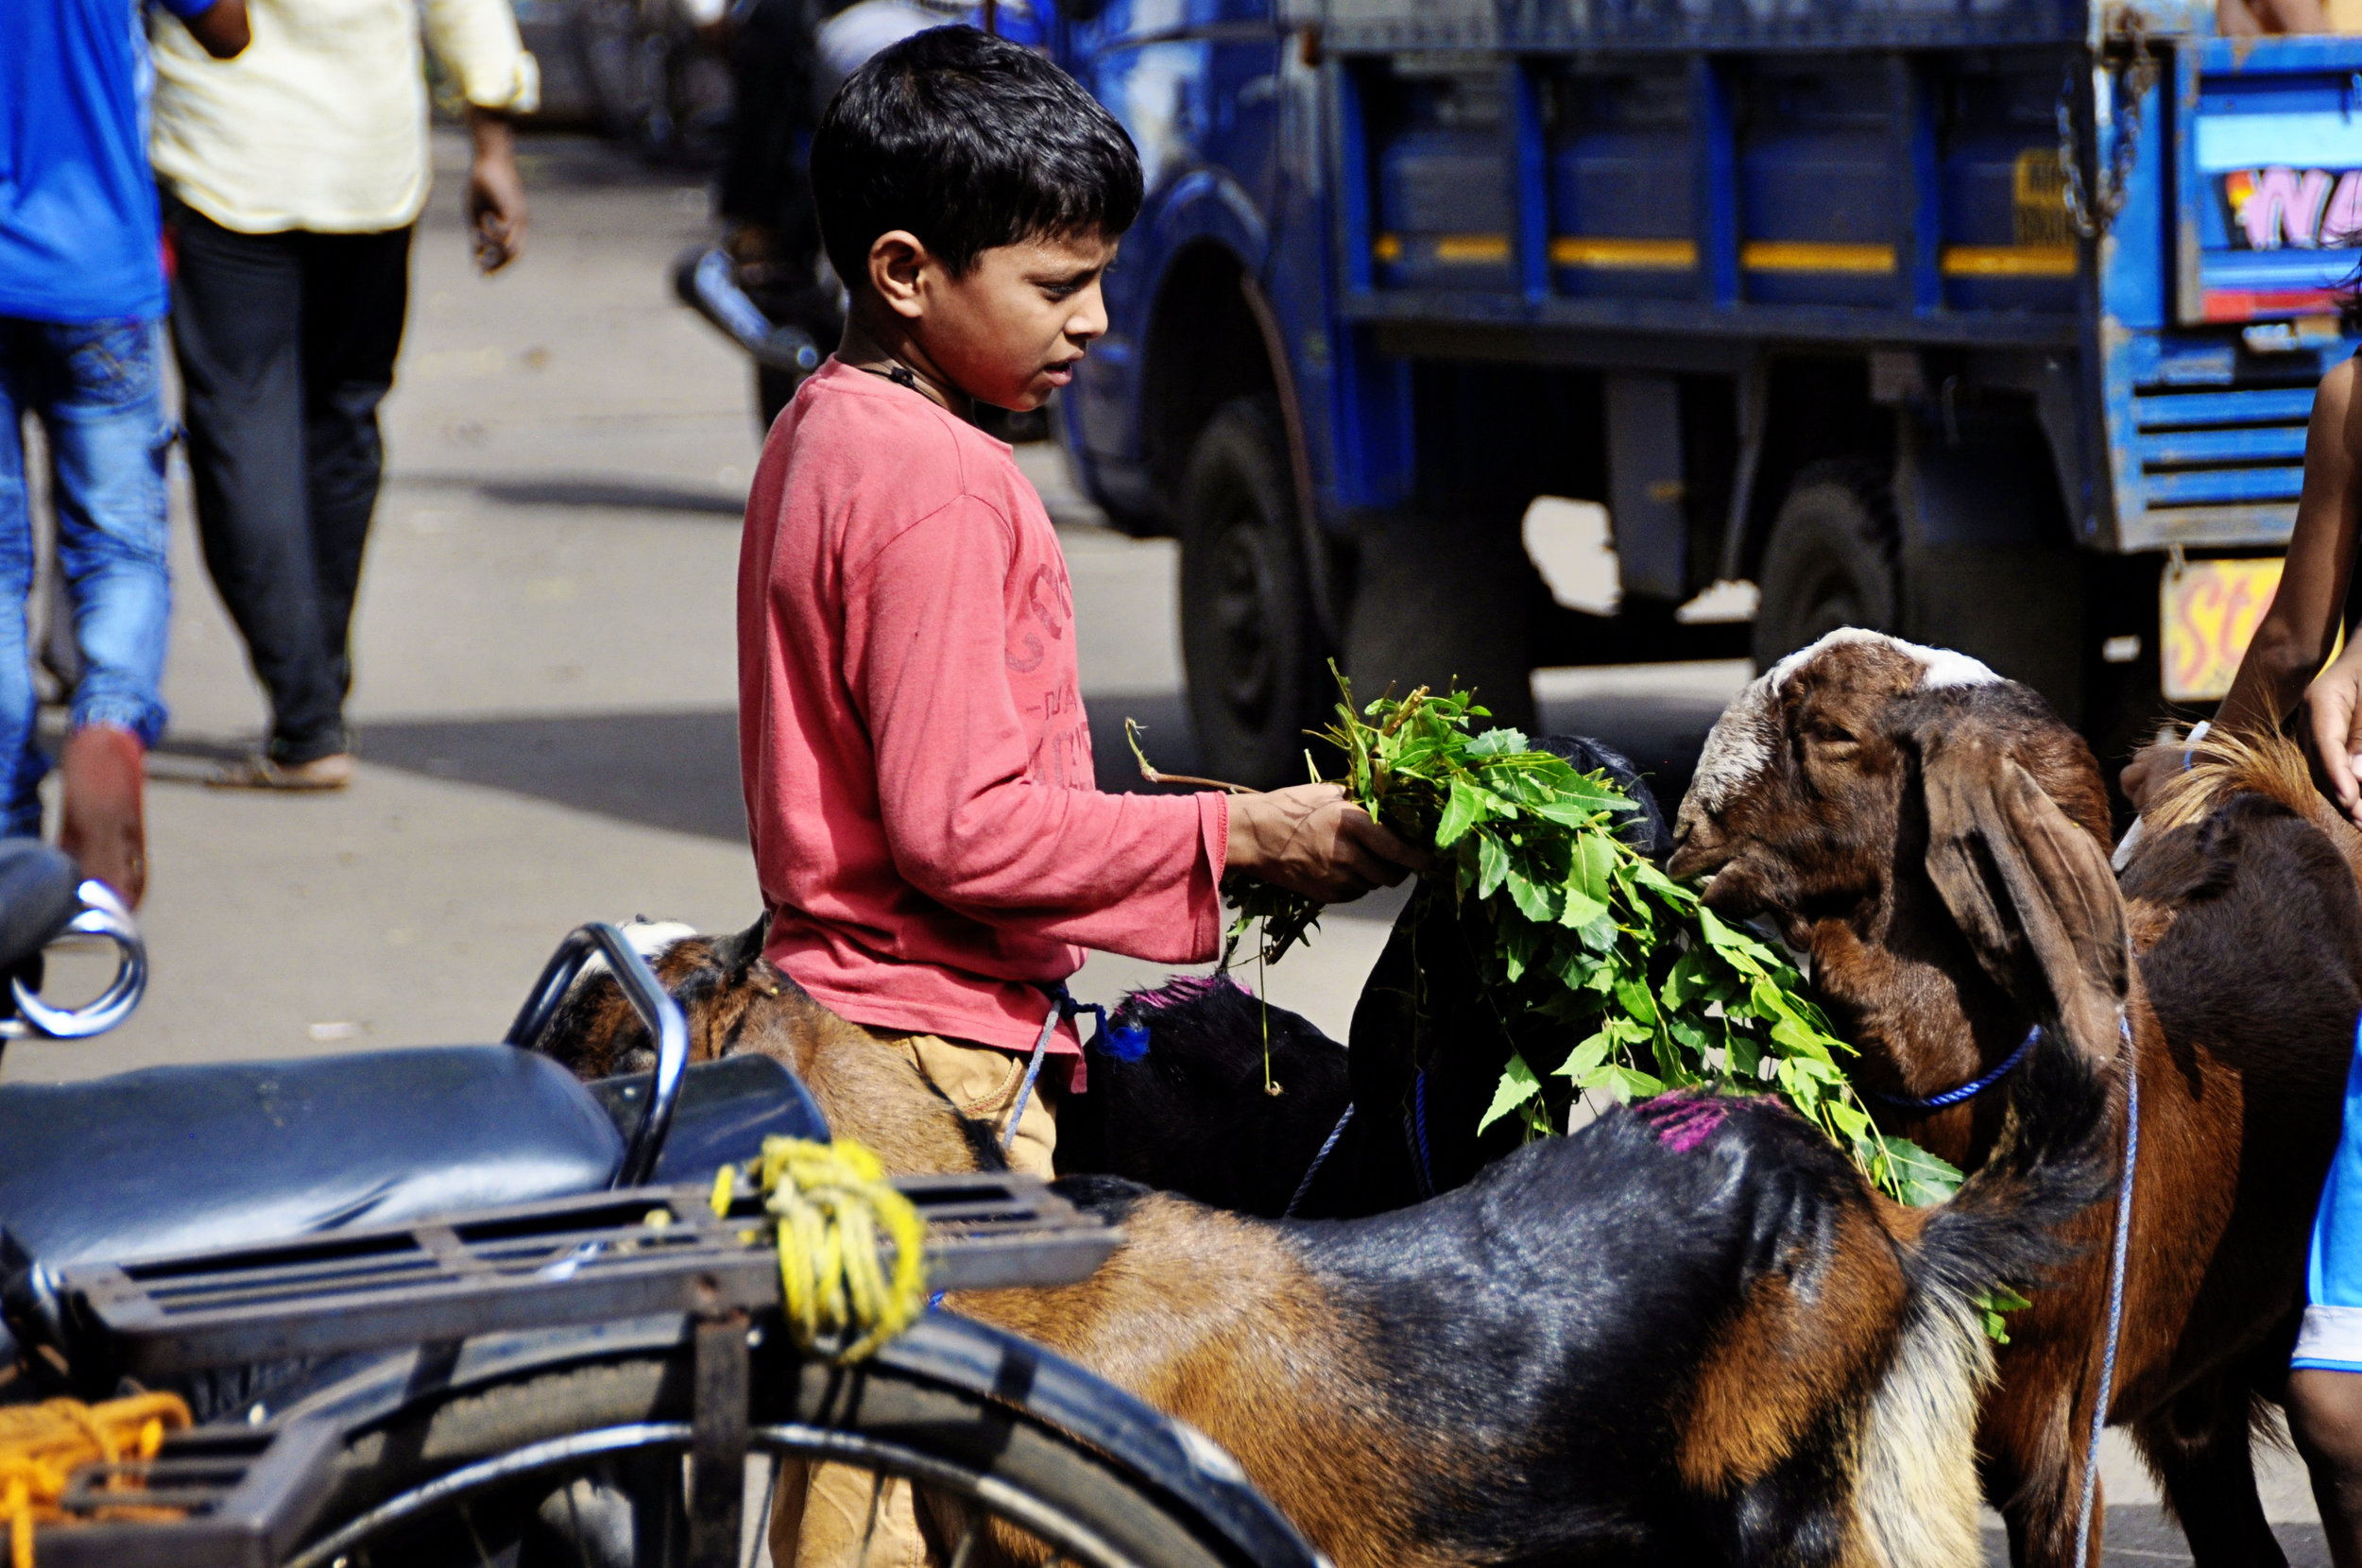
2209	612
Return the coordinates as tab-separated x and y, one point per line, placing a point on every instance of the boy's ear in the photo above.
897	257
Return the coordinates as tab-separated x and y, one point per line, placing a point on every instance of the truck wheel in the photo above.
1444	602
1250	638
1831	559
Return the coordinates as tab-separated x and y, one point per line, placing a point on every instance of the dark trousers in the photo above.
286	345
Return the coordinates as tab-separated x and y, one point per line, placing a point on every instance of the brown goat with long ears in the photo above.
1911	823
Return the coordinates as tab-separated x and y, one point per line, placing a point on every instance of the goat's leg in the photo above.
2201	1448
2034	1475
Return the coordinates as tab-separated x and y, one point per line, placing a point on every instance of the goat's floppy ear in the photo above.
2030	890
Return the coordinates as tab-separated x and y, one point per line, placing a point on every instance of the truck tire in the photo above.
1444	602
1251	642
1830	561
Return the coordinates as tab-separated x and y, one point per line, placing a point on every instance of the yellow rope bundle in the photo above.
831	1200
42	1446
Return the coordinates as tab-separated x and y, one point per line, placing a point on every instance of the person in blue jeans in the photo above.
81	290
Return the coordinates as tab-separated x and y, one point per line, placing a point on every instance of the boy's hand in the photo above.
1309	840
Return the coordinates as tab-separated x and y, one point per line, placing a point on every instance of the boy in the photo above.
917	767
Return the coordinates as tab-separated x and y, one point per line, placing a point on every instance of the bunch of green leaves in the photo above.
1655	991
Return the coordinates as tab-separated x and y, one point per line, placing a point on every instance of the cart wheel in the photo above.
584	1466
1250	637
1831	559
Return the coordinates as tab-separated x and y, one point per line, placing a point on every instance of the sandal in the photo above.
333	771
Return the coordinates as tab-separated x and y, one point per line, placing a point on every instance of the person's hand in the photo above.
2150	768
2331	731
496	193
1309	840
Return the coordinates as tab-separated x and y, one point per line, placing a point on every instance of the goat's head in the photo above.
1932	835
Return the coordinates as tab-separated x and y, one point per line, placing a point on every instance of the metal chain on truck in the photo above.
2128	84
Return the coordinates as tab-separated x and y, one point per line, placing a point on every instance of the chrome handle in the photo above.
658	1012
103	915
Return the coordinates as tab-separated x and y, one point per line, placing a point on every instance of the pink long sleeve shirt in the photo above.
912	742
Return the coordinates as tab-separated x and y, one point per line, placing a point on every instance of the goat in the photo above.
1689	1332
1790	1362
1914	825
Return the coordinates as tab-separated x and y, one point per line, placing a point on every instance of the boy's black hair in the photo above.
968	142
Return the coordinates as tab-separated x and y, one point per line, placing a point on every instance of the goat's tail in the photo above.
1916	1497
2228	763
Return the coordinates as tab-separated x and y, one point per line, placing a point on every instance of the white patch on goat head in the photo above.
1744	739
1738	748
650	939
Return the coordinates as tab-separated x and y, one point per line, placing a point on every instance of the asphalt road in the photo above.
545	690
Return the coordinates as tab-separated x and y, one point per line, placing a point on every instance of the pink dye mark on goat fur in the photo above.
1684	1119
1178	990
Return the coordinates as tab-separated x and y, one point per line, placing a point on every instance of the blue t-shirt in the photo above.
77	205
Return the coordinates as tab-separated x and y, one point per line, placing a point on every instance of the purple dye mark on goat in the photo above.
1176	992
1684	1120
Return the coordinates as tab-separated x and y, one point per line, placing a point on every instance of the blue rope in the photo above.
2115	1288
1969	1090
1418	1133
1062	1006
1318	1160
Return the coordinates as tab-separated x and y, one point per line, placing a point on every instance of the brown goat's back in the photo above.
2228	763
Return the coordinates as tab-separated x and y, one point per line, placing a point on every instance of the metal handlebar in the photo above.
102	914
658	1012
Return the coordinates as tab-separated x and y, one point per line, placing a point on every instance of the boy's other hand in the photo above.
1310	840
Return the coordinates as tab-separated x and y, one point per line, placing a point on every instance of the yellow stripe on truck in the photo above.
1604	254
1814	256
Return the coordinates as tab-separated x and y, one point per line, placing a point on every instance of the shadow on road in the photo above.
615	491
673	770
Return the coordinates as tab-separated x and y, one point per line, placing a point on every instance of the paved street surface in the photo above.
545	690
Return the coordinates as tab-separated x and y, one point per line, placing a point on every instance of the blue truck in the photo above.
1994	323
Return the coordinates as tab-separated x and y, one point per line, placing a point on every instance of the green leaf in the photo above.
1517	1087
1532	900
1595	859
1921	1179
1491	863
1459	813
1585	1058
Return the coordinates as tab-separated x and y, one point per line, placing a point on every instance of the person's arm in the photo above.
926	654
477	40
2300	626
496	192
220	29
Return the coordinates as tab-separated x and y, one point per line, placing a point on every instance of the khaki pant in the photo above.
983	1082
825	1517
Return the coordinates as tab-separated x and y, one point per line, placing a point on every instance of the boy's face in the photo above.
1009	331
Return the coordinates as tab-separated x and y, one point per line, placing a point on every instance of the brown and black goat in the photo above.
1687	1333
1909	821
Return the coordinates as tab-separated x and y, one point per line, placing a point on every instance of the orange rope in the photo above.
42	1446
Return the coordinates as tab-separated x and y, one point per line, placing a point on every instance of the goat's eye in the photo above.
1831	735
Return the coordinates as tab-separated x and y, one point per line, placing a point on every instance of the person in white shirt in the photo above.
292	179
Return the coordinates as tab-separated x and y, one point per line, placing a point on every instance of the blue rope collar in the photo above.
1969	1090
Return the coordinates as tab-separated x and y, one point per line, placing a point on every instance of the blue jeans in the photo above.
96	390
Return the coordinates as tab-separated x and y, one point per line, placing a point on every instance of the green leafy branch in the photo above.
1586	933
